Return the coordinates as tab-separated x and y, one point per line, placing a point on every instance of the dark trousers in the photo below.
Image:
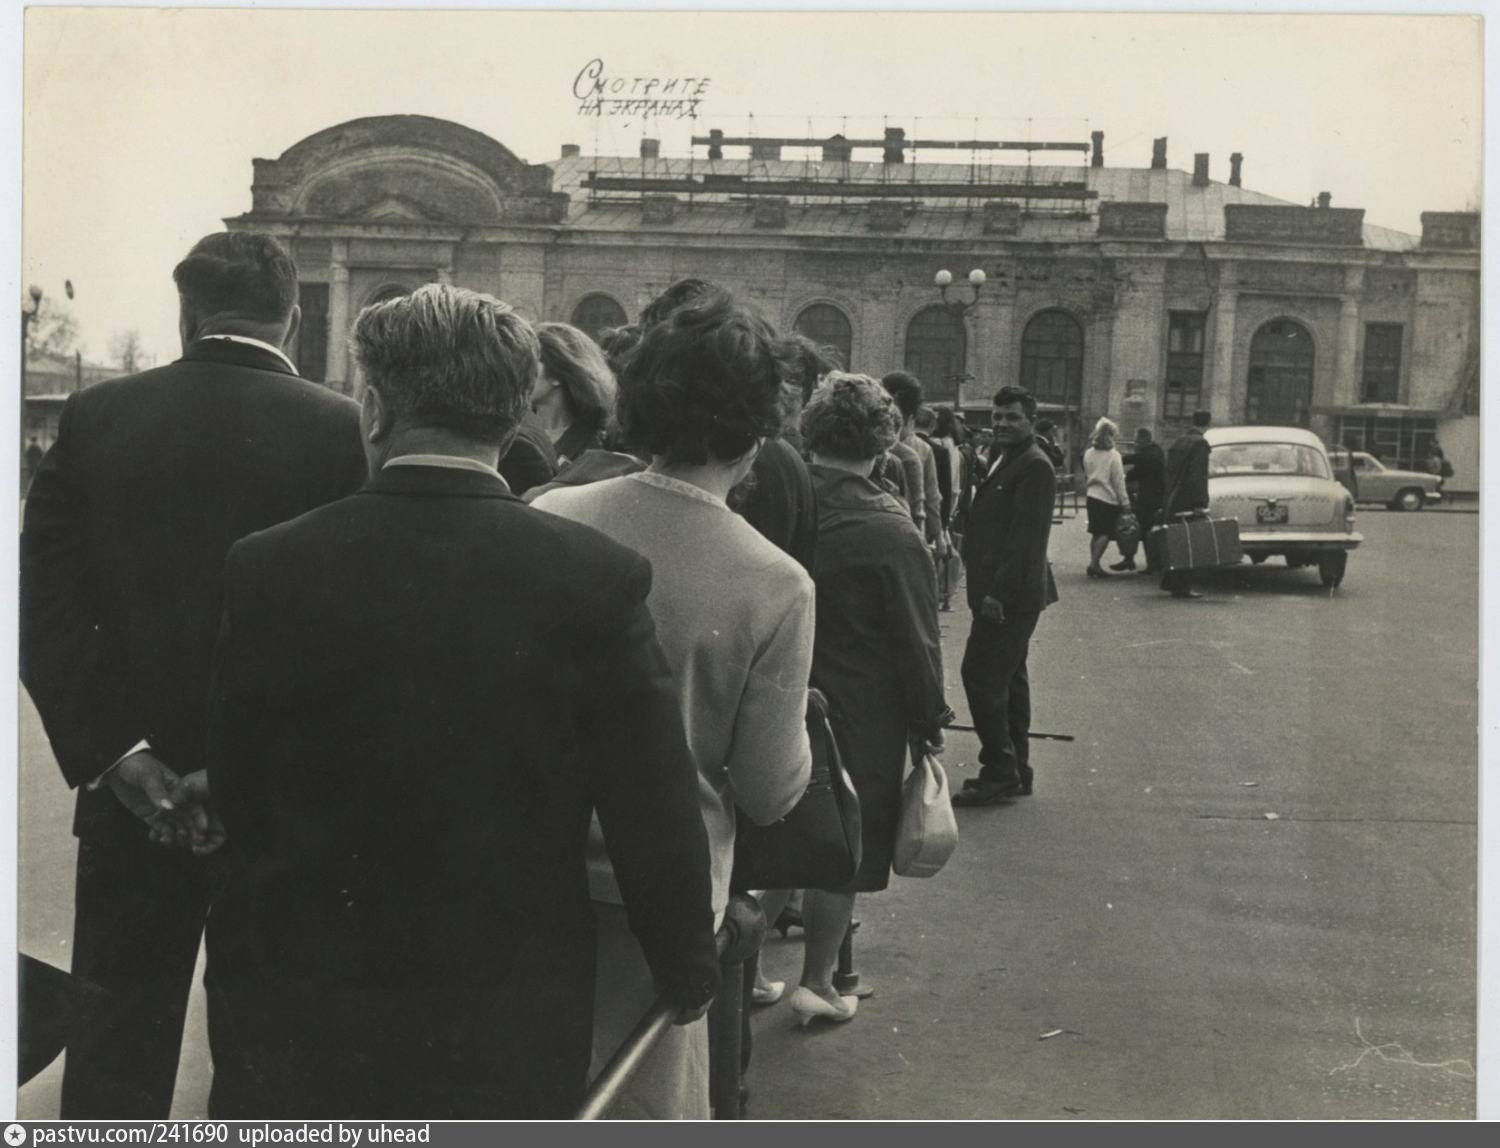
139	911
999	694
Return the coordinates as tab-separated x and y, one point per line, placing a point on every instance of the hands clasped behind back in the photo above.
176	809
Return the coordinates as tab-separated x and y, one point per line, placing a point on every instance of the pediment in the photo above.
395	209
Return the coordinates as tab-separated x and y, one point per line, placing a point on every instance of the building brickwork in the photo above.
1096	277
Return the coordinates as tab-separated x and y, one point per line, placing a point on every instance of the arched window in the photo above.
827	326
596	313
1052	359
936	352
1280	387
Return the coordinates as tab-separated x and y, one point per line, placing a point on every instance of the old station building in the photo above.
1138	292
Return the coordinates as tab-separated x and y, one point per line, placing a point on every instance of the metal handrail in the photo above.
741	934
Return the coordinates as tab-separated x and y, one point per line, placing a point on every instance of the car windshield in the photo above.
1268	458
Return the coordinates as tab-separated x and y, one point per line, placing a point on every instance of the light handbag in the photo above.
817	844
927	833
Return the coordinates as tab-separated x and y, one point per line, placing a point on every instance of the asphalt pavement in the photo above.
1246	890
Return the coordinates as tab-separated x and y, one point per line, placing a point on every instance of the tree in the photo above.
125	349
53	331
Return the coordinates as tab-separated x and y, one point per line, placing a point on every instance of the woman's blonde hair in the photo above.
1105	433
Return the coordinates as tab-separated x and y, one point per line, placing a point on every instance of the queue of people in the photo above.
457	776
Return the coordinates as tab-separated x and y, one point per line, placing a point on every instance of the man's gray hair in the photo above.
451	358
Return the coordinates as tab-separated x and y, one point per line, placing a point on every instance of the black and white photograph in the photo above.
873	564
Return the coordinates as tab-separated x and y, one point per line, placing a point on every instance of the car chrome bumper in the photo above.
1297	540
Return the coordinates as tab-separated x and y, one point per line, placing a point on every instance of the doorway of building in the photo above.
1280	387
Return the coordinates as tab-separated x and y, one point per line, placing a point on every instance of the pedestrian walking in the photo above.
1187	491
1106	496
1147	470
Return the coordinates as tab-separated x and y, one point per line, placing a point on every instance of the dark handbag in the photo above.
817	844
1127	530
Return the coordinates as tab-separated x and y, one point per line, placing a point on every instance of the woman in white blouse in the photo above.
1106	497
735	618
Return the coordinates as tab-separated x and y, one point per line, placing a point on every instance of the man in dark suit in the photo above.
420	694
1147	472
1009	585
1187	490
152	478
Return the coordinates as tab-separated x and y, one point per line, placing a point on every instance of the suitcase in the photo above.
1199	543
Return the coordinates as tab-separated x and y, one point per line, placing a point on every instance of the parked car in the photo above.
1398	489
1277	482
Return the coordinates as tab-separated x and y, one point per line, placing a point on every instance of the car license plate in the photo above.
1271	514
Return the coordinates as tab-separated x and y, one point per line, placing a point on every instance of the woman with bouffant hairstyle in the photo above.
574	395
734	614
876	654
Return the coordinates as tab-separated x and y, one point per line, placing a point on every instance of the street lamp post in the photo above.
942	281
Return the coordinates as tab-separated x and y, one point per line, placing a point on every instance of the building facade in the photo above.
1141	293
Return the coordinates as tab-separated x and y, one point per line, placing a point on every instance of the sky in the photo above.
140	124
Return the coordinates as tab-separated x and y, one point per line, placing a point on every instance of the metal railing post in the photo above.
741	934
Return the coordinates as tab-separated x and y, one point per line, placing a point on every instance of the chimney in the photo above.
1097	158
895	149
1159	153
571	151
1324	199
715	144
650	149
765	150
1200	169
836	149
1234	169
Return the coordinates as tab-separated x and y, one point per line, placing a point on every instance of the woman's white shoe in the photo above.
767	992
808	1004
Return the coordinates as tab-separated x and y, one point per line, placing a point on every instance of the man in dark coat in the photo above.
420	694
1187	490
530	460
1147	470
153	477
778	501
1009	585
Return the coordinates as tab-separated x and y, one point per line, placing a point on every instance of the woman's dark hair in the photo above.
617	343
576	362
705	383
850	417
947	425
679	294
810	363
906	390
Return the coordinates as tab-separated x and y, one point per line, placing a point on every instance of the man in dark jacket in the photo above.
1187	490
1147	471
419	695
1009	585
153	477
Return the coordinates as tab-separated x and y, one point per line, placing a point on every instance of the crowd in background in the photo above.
458	776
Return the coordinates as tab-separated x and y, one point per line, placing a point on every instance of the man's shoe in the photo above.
1186	594
1126	564
987	793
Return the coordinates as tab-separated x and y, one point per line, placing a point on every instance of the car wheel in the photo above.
1331	567
1257	559
1409	499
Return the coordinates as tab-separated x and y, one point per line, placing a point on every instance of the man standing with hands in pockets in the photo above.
1009	585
